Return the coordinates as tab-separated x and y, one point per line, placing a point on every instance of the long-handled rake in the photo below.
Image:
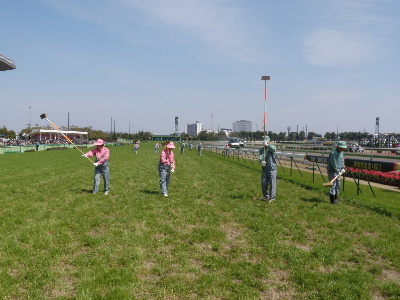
44	116
330	183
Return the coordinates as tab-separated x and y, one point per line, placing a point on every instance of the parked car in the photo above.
234	143
356	148
241	143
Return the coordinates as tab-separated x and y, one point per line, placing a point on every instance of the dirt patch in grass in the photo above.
231	232
98	231
377	296
391	275
234	236
82	250
64	283
277	287
371	234
370	256
297	245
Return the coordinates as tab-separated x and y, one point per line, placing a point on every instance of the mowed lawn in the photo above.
210	239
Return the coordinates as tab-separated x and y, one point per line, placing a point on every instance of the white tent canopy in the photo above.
56	132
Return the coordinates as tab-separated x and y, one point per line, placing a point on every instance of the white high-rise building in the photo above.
242	125
194	129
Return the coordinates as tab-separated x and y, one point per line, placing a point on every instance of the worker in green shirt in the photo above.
267	158
335	167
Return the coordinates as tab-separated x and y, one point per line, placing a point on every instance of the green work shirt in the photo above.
269	158
335	161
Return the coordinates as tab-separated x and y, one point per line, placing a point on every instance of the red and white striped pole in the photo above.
265	78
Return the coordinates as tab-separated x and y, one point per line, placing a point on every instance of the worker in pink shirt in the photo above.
101	165
166	166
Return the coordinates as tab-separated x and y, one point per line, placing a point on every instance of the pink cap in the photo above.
99	142
170	145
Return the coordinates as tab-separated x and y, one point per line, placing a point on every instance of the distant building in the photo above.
242	125
211	131
195	128
226	130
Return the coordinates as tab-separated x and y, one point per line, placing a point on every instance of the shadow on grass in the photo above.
375	208
150	192
235	196
313	200
87	191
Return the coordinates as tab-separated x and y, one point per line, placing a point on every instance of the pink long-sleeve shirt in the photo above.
167	157
102	155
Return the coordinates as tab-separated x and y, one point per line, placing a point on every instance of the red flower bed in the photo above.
389	178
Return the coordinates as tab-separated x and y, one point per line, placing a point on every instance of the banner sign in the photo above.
382	166
317	159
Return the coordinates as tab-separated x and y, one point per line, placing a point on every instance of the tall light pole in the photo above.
306	133
30	124
265	78
337	132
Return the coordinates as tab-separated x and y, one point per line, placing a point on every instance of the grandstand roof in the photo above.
66	132
6	63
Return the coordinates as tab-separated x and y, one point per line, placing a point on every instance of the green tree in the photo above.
281	136
311	135
185	137
330	135
8	134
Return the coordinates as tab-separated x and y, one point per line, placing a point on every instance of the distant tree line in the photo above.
7	134
283	136
251	136
203	135
92	134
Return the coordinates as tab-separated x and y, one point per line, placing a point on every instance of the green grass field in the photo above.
210	239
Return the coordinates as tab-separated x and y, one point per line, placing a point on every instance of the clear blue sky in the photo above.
334	64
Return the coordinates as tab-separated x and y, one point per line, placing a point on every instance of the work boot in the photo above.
336	201
332	197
